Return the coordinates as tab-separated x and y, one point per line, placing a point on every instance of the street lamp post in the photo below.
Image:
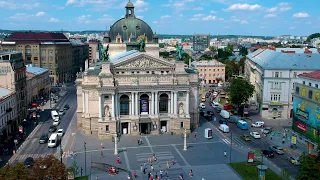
85	158
185	140
61	152
115	144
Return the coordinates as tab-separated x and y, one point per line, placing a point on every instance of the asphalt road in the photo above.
263	143
32	147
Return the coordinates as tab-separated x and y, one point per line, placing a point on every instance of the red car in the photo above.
227	107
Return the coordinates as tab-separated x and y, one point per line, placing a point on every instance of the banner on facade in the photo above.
144	106
293	139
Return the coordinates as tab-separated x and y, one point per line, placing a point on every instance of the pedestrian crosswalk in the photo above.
21	158
238	141
162	159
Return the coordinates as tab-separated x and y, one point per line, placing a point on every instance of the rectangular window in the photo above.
310	84
181	125
280	74
107	128
303	82
297	90
35	58
316	85
295	74
276	85
310	94
276	74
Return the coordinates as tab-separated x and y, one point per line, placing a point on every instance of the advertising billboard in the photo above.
144	106
306	118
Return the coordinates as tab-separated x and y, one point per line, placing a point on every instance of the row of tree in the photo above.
45	168
309	167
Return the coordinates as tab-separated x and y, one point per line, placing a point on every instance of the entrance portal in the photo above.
125	128
163	126
145	128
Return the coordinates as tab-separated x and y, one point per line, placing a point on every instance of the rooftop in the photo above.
75	42
297	50
35	70
312	75
4	92
123	55
207	63
37	36
270	59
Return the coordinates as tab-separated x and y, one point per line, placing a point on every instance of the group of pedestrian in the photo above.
140	141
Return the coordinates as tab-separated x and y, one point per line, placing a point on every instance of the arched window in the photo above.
144	104
124	105
163	103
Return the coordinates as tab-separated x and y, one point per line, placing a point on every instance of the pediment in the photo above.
143	61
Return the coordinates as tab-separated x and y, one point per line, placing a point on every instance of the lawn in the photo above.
250	172
82	178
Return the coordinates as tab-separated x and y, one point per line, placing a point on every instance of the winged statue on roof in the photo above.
105	54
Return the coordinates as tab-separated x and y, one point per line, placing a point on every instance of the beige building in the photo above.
13	78
47	50
210	71
93	52
38	84
8	115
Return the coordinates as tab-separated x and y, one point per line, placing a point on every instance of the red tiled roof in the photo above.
312	75
37	36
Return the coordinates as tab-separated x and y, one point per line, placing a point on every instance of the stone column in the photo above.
187	103
136	103
156	104
113	106
100	107
152	103
83	102
175	102
169	106
132	103
171	102
87	102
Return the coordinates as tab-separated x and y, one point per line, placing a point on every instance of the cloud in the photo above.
281	7
271	10
194	19
165	17
70	2
291	28
18	5
235	7
84	19
141	5
209	18
213	12
198	15
300	15
105	18
140	17
53	20
244	22
198	8
155	22
41	14
270	15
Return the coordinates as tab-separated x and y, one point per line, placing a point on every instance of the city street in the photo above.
263	144
31	147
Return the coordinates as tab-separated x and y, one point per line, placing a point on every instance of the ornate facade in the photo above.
135	93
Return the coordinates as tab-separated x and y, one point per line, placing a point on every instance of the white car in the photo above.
255	135
61	112
215	93
214	104
60	132
56	122
202	106
258	124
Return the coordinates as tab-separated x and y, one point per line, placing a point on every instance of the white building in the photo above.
315	42
273	74
8	112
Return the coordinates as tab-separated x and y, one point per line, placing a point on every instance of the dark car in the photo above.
223	121
268	153
267	130
52	128
277	149
66	107
43	138
218	109
207	116
28	162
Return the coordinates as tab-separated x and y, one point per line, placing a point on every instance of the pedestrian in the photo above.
225	153
135	174
166	174
141	142
195	137
168	165
151	167
144	165
154	157
149	175
144	171
102	154
118	160
141	168
138	141
97	177
102	147
191	173
156	176
129	178
161	172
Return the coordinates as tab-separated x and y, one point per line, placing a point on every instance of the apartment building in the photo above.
210	71
38	84
8	113
80	53
94	52
47	50
201	41
13	77
274	74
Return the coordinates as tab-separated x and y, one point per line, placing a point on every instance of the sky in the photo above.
217	17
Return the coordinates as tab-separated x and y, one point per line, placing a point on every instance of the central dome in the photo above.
130	28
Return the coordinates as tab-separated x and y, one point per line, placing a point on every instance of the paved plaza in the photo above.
204	157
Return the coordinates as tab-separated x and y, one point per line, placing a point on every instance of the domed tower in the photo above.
130	27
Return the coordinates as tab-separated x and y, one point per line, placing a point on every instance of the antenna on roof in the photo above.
62	30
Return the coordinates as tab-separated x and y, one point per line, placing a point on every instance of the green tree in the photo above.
74	168
213	49
229	49
243	51
13	172
186	58
232	68
315	35
205	57
285	175
164	54
161	45
309	167
239	90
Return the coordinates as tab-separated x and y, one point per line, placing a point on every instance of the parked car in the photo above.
267	130
61	112
294	160
28	162
52	128
202	105
268	153
234	119
227	106
215	93
218	109
43	138
255	135
60	132
214	104
245	137
207	116
258	124
277	149
223	121
66	107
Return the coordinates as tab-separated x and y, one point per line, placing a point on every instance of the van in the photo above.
234	119
242	125
225	114
53	140
203	99
54	115
224	128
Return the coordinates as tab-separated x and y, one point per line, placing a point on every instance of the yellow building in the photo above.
48	50
211	71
